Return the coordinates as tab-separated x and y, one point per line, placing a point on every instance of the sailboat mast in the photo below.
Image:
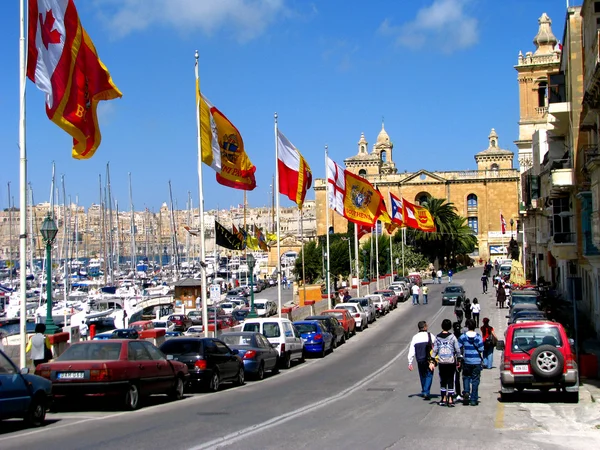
187	236
30	224
118	244
132	225
103	231
111	249
65	249
174	235
10	237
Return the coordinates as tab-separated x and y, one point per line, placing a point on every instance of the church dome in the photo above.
382	137
545	39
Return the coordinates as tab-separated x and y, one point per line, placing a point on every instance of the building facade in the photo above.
480	195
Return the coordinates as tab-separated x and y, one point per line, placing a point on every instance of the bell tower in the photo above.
533	71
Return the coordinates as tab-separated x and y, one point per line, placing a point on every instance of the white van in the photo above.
281	332
263	307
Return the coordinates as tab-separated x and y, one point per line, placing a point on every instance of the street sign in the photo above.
215	292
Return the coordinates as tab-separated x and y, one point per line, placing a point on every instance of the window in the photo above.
222	348
560	223
6	367
423	199
494	167
384	156
472	201
362	172
93	351
137	352
154	352
271	330
542	88
473	224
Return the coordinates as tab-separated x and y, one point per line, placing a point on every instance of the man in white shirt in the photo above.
420	348
439	276
83	330
415	294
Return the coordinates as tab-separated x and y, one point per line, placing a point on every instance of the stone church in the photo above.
480	195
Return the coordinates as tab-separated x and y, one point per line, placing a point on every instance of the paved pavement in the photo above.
361	396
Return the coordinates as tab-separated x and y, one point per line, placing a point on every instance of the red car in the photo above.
181	322
538	355
345	319
124	368
390	296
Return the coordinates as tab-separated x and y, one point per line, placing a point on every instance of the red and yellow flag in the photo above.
418	217
362	202
62	61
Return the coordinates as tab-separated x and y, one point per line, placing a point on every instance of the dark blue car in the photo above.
256	352
22	395
316	338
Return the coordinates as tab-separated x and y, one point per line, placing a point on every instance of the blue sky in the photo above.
439	71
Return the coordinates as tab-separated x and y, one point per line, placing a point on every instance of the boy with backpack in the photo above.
446	353
472	346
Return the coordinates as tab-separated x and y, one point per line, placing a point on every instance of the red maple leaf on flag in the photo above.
49	36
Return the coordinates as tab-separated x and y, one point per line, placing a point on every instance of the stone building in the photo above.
480	195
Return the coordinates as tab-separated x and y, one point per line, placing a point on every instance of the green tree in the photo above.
313	262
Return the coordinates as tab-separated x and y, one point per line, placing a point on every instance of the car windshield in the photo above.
519	299
526	339
348	307
160	324
363	302
238	339
338	316
226	305
453	290
181	347
92	351
305	328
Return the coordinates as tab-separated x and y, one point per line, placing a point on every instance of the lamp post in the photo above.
49	230
349	259
512	222
250	261
364	252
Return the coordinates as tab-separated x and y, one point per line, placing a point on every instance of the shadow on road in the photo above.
15	425
551	396
99	404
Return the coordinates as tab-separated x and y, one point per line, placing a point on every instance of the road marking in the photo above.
257	428
499	420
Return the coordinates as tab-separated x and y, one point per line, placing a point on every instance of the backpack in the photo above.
445	351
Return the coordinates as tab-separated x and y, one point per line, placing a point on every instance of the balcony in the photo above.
563	246
562	176
558	118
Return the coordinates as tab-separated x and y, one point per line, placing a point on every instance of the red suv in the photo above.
538	355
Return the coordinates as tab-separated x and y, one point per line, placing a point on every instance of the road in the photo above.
361	396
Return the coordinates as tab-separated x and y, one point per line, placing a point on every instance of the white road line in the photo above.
257	428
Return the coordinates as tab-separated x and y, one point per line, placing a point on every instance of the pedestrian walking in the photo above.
439	276
484	282
415	293
347	297
457	333
489	343
458	311
472	348
420	349
467	308
38	347
284	282
83	330
500	296
425	292
476	310
507	292
450	273
446	353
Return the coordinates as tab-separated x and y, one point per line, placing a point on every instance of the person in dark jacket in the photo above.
420	349
472	347
500	296
458	311
467	309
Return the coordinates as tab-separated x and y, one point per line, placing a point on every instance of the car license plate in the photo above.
70	375
521	368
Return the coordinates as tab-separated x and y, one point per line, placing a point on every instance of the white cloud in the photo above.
443	25
242	19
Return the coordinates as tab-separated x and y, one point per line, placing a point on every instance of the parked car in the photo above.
538	355
119	333
195	317
265	307
368	306
22	395
345	319
172	334
415	278
522	307
238	292
181	322
333	326
281	332
359	314
241	314
228	307
528	296
406	280
401	290
315	336
166	325
391	297
210	361
127	369
382	305
196	330
528	316
451	292
257	353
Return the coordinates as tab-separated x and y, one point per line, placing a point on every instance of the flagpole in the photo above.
356	258
327	278
201	208
302	240
391	260
377	252
278	221
403	239
23	190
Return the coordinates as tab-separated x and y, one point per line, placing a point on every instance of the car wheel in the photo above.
215	382
286	361
37	412
260	373
240	379
571	397
347	335
547	362
343	339
354	331
322	353
333	343
132	397
275	369
177	390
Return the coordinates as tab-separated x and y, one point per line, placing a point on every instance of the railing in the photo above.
530	58
541	110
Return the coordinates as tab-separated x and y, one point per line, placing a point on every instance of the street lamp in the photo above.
250	261
49	230
364	252
349	259
512	222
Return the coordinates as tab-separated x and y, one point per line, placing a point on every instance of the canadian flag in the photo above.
63	63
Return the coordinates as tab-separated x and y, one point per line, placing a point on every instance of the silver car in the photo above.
369	307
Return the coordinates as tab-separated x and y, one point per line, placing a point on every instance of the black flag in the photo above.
226	238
